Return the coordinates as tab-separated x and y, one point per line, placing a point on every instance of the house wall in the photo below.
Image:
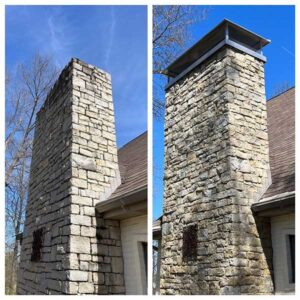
74	166
133	232
216	167
281	227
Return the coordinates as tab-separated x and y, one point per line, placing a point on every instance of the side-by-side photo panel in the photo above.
224	150
76	150
78	215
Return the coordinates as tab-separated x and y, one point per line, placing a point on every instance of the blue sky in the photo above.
113	38
276	23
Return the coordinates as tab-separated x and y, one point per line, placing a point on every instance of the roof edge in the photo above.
126	195
278	201
273	97
145	132
276	197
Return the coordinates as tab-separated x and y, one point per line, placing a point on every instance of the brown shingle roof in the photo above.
133	166
281	130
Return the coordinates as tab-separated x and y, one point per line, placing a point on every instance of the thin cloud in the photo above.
61	38
288	51
54	39
111	34
98	35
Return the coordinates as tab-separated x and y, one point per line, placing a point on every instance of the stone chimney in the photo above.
216	167
67	248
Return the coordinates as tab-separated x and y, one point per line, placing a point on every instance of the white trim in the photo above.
133	232
281	227
278	196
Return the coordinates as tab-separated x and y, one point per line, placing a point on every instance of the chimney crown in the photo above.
226	33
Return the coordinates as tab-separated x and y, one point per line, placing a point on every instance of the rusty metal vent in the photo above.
37	244
189	247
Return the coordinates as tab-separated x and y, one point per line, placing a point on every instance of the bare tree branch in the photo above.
25	93
170	37
28	94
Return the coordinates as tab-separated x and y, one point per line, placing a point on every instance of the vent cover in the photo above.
189	247
37	244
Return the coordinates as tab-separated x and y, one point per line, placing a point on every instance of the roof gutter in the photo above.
279	201
124	200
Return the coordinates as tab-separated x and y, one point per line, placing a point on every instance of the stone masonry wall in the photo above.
216	166
74	165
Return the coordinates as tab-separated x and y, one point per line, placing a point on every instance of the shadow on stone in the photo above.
110	261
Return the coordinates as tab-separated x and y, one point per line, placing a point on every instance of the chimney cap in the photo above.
226	32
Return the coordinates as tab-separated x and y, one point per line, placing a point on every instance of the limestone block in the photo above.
85	257
89	211
74	209
98	278
80	220
82	174
86	288
115	251
108	135
92	145
99	249
89	193
85	152
78	82
93	266
70	261
80	183
92	114
54	285
71	229
101	289
84	265
95	175
114	279
82	200
117	290
99	139
105	267
80	244
88	231
115	233
84	162
117	265
72	288
75	275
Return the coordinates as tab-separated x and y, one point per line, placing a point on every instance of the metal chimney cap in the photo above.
226	32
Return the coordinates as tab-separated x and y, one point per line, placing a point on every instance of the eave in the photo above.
125	206
276	205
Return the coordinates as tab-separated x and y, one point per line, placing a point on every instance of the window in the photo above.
143	264
37	245
291	257
145	256
189	247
